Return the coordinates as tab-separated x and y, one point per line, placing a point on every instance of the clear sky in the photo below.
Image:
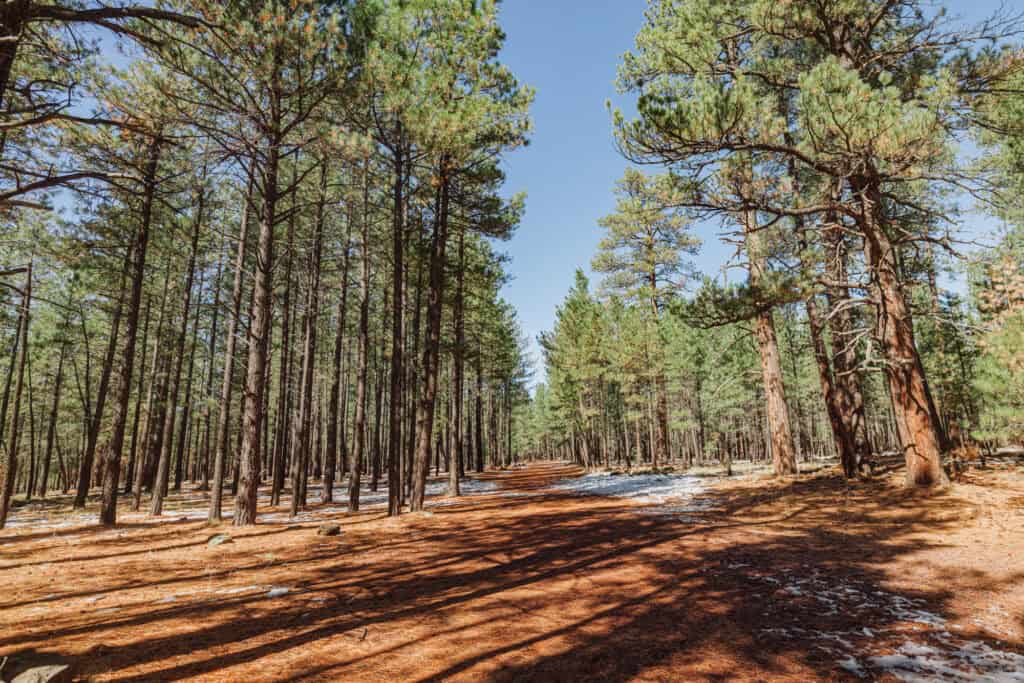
569	51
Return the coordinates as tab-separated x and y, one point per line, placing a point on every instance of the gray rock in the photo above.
53	673
219	539
329	530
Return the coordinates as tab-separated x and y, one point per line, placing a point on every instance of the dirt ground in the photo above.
805	579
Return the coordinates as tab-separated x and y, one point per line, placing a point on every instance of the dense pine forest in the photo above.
254	282
261	250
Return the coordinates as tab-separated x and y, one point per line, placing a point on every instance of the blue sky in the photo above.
569	50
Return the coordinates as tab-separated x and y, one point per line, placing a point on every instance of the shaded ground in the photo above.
799	580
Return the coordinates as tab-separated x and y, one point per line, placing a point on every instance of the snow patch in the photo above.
936	654
645	488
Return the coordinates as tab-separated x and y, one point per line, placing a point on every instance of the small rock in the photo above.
219	539
54	673
328	530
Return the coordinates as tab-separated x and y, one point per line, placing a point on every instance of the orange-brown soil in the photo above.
798	580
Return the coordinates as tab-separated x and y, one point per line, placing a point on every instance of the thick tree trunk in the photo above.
432	348
13	17
249	464
780	434
112	468
908	388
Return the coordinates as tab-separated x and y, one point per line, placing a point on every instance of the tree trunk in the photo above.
432	348
479	411
309	353
227	382
186	406
848	378
249	464
780	434
915	423
458	371
51	430
834	404
133	448
112	468
88	457
334	400
164	463
211	353
9	455
154	419
397	340
355	465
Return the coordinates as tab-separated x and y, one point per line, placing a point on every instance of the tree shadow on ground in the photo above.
781	582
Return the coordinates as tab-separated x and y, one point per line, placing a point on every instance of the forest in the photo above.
861	313
254	289
276	246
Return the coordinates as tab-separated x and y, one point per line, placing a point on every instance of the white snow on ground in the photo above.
665	494
934	653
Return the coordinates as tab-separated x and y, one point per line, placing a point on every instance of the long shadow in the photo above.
704	598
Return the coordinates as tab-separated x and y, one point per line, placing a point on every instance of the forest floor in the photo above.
531	579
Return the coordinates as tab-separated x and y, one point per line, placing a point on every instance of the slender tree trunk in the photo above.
831	394
397	340
334	400
847	377
112	467
88	457
133	448
479	409
186	406
51	430
154	417
227	381
31	483
283	441
458	369
211	352
9	455
309	353
432	348
355	465
164	463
